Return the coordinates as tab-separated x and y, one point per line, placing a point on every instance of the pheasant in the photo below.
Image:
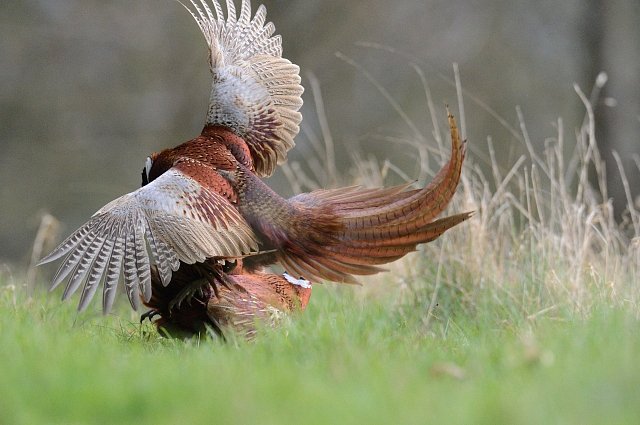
203	225
250	294
246	299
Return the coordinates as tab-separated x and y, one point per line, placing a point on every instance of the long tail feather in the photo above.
370	227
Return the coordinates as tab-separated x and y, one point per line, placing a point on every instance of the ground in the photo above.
345	361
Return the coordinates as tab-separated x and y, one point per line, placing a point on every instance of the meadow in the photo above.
527	313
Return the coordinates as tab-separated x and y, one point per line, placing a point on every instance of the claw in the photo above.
149	315
188	292
215	278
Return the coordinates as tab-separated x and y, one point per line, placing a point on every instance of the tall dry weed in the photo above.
544	240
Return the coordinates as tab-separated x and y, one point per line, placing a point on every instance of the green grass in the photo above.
346	361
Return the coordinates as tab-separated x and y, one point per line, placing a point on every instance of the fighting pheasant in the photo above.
203	225
250	294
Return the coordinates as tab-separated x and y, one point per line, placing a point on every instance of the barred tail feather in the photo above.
376	226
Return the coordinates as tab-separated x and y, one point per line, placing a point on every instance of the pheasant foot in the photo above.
149	315
187	293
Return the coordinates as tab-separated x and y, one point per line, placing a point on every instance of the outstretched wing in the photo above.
171	219
255	92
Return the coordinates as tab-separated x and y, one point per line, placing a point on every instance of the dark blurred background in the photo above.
89	88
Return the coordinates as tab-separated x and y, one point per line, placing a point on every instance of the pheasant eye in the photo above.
146	170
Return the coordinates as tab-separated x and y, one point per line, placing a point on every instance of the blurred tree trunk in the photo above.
612	43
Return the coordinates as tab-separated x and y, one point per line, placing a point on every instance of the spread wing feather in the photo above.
170	220
255	92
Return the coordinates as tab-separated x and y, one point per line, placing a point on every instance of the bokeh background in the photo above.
89	88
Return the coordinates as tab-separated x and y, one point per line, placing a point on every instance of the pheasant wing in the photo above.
171	220
255	92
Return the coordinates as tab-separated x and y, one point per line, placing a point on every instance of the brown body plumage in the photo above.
239	304
203	206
